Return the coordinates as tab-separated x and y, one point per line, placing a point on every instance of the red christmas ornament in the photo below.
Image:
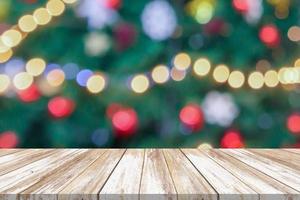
232	139
269	35
293	123
30	94
8	139
192	117
241	5
113	4
125	35
61	107
125	122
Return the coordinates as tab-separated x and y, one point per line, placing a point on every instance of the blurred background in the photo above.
123	73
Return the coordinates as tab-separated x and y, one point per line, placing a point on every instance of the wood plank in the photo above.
124	182
226	185
55	180
156	180
189	183
267	187
89	183
276	170
17	181
297	151
4	152
284	157
19	159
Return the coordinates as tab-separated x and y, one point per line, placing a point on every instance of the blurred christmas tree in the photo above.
118	73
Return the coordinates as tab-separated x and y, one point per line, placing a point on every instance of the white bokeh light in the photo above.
159	20
219	108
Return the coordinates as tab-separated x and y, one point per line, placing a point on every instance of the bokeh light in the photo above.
125	122
8	139
160	74
83	76
56	77
232	139
221	73
140	83
293	123
11	38
4	83
192	117
41	16
96	83
30	94
256	80
236	79
5	56
27	23
201	67
61	107
271	78
22	80
177	75
182	61
35	66
55	7
294	33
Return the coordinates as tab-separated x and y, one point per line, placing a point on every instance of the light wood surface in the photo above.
183	174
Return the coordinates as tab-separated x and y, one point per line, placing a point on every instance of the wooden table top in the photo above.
149	174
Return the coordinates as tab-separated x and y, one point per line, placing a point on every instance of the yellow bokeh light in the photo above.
256	80
221	73
271	78
70	1
281	73
177	75
205	146
23	80
27	23
160	74
202	67
55	7
96	83
236	79
204	12
41	16
182	61
6	56
289	75
11	38
140	83
46	89
56	77
4	83
297	63
3	47
35	66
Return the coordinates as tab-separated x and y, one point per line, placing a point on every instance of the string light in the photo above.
182	61
160	74
202	67
41	16
35	66
22	80
221	73
5	56
96	83
4	83
140	83
55	7
11	38
256	80
27	23
236	79
271	78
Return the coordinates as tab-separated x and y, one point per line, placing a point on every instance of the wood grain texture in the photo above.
123	174
156	180
189	183
273	169
227	185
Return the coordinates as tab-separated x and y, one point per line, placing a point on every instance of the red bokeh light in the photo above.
30	94
113	4
8	139
61	107
269	35
192	117
125	122
112	109
293	123
241	5
232	139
